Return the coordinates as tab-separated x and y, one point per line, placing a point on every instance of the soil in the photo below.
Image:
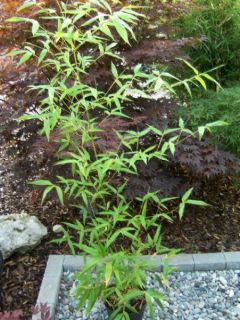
202	230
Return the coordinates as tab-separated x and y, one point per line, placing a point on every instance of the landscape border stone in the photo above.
57	264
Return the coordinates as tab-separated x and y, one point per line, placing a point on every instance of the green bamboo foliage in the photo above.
70	107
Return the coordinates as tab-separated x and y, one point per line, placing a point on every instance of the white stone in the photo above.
57	228
20	233
236	310
230	293
223	281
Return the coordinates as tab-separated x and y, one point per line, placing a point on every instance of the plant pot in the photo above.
132	316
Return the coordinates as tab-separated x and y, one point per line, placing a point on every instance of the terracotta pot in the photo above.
133	316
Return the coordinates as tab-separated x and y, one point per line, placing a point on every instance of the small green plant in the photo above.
112	272
69	108
222	105
120	281
110	228
217	23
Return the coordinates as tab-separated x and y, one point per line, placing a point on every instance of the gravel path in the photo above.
213	295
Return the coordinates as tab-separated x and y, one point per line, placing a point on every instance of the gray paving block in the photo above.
49	290
232	260
54	266
209	261
73	263
155	261
48	294
182	262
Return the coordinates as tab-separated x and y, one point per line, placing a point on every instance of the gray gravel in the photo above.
213	295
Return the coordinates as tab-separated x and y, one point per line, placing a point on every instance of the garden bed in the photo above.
22	159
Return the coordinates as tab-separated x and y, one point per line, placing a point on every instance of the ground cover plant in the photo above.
217	22
221	105
130	129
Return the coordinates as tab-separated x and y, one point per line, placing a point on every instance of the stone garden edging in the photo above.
57	264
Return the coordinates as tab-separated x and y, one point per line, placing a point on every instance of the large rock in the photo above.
20	233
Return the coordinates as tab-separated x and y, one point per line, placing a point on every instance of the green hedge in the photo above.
224	105
218	21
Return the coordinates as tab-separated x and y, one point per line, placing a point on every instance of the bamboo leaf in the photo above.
197	203
114	71
41	183
46	192
181	210
25	58
187	195
121	30
108	273
60	195
35	27
27	5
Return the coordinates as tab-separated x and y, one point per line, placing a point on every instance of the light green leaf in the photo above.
172	148
197	203
60	195
108	273
42	55
121	30
218	123
26	5
181	210
187	195
132	294
181	123
186	85
46	192
201	81
105	29
14	53
35	27
190	66
51	92
17	19
150	305
114	71
25	58
207	76
201	131
41	183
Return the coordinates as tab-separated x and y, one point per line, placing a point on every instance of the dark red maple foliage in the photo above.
43	310
201	158
11	315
